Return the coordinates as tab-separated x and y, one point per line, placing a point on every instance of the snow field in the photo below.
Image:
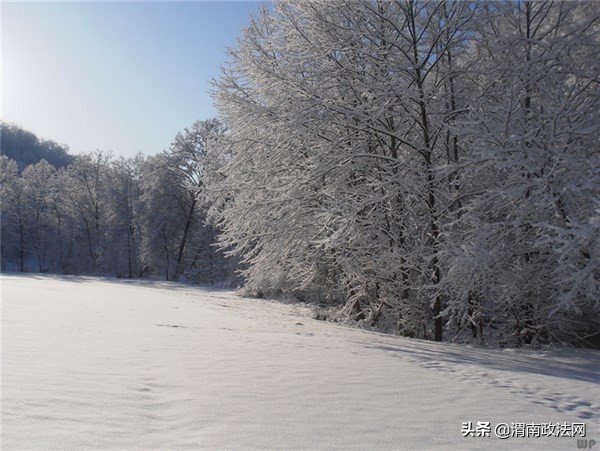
91	363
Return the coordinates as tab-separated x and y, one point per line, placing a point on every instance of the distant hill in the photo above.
26	148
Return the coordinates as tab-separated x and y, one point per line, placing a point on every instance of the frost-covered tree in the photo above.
88	203
415	161
123	241
338	123
12	229
527	256
177	241
123	217
36	180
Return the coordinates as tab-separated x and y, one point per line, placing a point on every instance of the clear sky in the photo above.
114	76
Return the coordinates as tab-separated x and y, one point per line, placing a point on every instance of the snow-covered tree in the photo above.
416	161
123	241
12	231
338	123
527	257
177	241
87	198
36	180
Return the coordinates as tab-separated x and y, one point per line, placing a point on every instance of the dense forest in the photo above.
25	148
121	217
426	168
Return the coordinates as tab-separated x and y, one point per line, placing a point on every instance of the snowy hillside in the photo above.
93	363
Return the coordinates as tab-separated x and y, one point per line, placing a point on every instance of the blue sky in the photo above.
114	76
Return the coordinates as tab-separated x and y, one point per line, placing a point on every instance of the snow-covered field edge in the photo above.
111	363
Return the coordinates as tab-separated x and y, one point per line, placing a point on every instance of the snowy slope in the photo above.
92	363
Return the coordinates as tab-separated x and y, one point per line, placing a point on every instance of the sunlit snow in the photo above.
96	363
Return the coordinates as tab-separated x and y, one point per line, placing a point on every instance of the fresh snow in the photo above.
100	363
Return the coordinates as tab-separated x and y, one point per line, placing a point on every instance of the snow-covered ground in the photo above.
93	363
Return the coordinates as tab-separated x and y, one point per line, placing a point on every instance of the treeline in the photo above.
121	217
25	148
427	167
430	168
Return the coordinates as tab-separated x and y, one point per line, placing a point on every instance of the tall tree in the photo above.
174	204
337	113
88	200
534	131
123	240
12	232
36	180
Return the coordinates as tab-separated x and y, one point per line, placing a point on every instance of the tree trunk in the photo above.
186	229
